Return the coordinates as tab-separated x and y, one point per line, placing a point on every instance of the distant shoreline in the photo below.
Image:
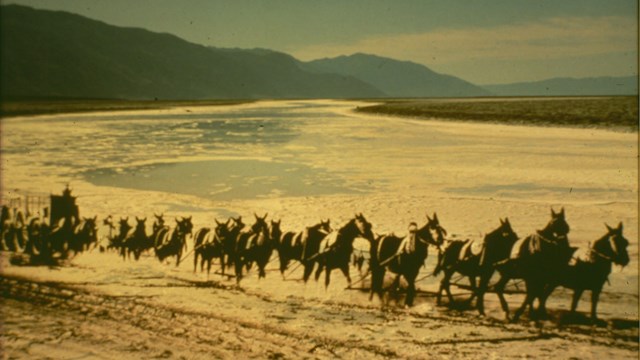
34	107
616	113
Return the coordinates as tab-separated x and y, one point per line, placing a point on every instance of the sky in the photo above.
481	41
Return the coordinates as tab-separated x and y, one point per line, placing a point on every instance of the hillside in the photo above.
397	78
58	54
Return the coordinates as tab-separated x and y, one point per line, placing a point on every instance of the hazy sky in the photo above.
483	41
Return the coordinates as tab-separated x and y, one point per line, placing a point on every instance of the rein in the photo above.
549	241
601	255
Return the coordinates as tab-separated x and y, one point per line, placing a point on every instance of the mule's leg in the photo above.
474	288
321	266
499	288
377	278
577	293
327	277
284	262
411	293
222	264
482	289
261	271
209	267
528	301
238	267
411	287
444	286
308	269
546	292
595	296
345	271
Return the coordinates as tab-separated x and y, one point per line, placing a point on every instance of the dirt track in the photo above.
44	319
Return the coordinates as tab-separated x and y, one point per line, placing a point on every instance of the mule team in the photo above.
544	260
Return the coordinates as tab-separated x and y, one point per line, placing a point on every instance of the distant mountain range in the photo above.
397	78
627	85
52	54
58	54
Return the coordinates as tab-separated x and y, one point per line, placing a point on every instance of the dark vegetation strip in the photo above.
28	107
615	113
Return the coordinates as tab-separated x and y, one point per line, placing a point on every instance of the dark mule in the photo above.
5	216
298	246
537	259
229	242
14	232
209	244
254	246
60	236
137	241
110	229
158	224
172	242
592	273
337	247
403	256
117	240
35	238
474	259
85	233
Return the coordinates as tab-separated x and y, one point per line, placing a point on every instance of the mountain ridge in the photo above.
569	86
59	54
398	78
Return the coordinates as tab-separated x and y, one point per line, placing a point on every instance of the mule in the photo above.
229	242
474	259
335	249
136	241
254	246
85	233
60	236
35	238
298	246
404	256
537	259
117	240
591	273
158	224
208	244
173	241
13	235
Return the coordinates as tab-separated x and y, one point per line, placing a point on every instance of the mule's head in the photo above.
364	227
140	224
91	224
108	221
558	225
124	225
500	240
237	223
260	224
614	245
325	226
222	230
436	231
274	230
506	233
185	226
159	219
